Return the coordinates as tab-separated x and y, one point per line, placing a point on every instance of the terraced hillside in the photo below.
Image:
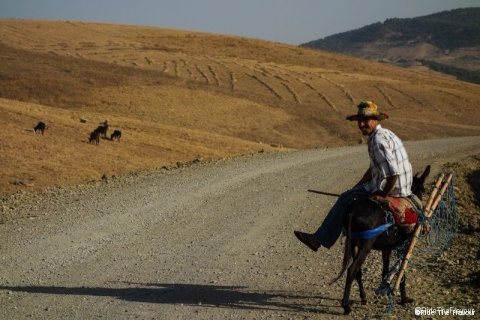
178	96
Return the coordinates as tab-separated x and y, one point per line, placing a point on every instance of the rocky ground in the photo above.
459	266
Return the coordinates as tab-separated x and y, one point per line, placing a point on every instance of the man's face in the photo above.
367	126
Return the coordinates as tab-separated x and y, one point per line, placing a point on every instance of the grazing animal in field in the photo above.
40	127
117	134
102	130
365	216
94	137
105	126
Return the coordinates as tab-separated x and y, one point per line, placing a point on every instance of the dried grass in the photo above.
179	95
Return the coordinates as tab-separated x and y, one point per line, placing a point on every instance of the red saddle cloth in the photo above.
403	210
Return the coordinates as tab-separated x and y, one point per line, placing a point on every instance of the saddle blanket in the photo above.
403	210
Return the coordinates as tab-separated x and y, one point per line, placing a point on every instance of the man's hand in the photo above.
388	187
379	197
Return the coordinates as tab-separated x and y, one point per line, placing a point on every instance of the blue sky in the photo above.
288	21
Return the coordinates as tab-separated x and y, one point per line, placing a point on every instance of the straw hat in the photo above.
368	109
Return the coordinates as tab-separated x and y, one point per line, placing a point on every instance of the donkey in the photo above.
94	137
117	134
102	130
41	127
364	215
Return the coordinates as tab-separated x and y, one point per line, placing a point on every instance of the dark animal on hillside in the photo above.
94	137
363	215
102	130
117	134
40	127
106	126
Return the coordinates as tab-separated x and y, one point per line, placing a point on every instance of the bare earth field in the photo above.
215	241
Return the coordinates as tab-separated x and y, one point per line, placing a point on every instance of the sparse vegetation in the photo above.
460	74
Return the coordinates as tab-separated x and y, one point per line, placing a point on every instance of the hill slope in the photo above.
448	42
178	96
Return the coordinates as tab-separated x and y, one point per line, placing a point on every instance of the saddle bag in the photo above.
404	211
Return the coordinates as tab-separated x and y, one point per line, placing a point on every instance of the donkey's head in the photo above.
418	187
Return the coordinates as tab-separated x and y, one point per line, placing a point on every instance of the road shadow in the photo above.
234	297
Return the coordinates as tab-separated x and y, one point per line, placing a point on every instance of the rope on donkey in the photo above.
443	224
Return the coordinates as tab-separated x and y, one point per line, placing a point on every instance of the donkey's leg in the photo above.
386	262
363	295
349	280
363	249
348	286
403	292
358	277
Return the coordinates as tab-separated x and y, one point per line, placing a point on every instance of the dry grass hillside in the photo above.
178	96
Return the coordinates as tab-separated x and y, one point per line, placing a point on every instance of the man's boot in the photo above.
308	239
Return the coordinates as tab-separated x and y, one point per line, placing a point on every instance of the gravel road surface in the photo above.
211	240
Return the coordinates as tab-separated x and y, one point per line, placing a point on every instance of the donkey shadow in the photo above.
231	297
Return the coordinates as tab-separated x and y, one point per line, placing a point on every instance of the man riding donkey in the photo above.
388	179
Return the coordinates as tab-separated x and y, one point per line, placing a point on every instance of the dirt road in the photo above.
209	241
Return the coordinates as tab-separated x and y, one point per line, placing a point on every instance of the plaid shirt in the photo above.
388	158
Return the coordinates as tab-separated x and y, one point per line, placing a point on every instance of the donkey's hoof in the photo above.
364	302
347	310
406	301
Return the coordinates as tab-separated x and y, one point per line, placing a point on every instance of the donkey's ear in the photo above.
426	172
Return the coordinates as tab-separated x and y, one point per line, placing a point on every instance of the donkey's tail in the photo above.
347	254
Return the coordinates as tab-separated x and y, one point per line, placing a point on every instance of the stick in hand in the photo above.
324	193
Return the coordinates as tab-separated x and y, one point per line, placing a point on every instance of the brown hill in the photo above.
179	96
